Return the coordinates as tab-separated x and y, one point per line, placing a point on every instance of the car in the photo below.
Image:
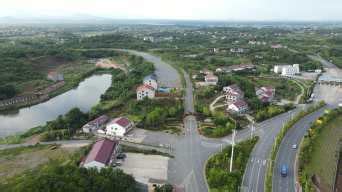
294	146
121	156
283	170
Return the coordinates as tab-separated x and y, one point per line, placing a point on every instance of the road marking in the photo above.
257	184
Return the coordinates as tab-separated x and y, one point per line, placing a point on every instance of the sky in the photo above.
229	10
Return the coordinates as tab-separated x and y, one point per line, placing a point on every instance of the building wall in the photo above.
151	83
94	164
146	93
115	130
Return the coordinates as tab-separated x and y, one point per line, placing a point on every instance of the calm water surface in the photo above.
86	95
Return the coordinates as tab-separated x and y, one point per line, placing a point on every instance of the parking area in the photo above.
145	167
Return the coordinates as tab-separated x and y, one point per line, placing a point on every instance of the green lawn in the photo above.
323	161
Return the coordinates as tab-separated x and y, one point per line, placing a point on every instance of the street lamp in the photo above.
232	155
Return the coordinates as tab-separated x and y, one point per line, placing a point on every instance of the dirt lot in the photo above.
143	167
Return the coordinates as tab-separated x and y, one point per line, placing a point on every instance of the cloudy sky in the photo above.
179	9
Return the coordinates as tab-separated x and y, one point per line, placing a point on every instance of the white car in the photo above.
294	146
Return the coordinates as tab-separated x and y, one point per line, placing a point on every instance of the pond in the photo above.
86	95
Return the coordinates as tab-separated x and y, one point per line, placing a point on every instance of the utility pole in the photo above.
232	155
252	130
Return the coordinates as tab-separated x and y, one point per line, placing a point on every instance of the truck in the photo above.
283	170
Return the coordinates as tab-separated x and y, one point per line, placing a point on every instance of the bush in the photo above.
55	177
217	168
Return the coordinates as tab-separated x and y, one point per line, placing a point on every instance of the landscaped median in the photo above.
317	156
279	138
217	167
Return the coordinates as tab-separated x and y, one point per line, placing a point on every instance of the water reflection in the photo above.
86	95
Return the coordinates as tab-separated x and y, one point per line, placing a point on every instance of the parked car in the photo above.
283	170
121	156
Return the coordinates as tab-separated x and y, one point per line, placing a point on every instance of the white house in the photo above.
287	70
145	91
233	93
151	80
102	153
239	107
119	127
211	79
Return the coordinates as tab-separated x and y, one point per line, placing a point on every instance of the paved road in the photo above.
286	155
332	95
254	176
192	150
167	75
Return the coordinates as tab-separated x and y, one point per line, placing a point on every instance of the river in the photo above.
86	95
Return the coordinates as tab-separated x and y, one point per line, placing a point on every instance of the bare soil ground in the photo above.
110	63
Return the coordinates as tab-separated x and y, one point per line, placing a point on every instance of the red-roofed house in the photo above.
101	154
265	94
119	127
239	107
233	93
145	91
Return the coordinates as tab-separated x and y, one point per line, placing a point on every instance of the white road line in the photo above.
250	177
257	184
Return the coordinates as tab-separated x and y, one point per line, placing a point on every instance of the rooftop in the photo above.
102	151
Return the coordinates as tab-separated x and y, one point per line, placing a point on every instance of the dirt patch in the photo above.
110	63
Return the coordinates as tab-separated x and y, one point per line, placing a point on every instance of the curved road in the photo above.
332	95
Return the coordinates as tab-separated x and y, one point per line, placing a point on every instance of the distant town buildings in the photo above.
119	127
237	50
235	68
265	94
96	124
102	154
287	70
278	46
54	76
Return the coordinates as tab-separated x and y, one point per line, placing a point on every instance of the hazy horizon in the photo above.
213	10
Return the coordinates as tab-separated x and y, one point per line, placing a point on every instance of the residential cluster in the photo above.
102	125
235	99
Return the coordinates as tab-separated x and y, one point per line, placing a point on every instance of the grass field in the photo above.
324	155
16	161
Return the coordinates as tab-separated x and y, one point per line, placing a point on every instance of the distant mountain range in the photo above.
90	19
52	19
